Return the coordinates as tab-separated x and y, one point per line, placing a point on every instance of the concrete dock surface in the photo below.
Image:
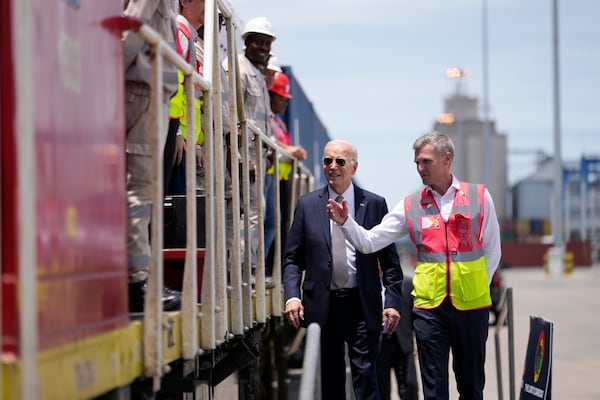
570	301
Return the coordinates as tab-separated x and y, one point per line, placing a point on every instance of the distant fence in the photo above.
523	254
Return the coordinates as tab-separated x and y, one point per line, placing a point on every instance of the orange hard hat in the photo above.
281	85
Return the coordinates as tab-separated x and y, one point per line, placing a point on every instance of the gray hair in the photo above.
344	142
442	143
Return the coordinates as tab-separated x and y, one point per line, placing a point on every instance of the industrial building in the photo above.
525	209
533	208
461	122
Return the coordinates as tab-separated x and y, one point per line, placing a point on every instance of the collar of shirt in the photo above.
445	201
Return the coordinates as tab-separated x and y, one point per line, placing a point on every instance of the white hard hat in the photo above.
258	25
273	64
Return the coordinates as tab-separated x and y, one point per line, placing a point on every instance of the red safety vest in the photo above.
177	105
450	260
186	31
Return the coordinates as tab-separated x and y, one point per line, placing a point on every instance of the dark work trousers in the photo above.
285	194
178	179
465	332
391	357
169	153
347	324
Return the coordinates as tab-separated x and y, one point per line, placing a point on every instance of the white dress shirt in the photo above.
394	226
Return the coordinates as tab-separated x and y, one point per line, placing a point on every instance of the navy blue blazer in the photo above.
308	249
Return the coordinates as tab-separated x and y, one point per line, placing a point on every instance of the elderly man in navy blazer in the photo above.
341	287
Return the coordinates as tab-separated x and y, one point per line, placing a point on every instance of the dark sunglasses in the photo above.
339	161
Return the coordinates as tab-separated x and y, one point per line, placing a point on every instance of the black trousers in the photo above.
346	324
285	193
445	328
169	153
391	357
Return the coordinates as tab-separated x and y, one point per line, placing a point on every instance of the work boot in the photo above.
171	299
269	282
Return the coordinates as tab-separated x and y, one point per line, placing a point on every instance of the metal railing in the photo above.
505	317
310	385
26	212
222	316
152	327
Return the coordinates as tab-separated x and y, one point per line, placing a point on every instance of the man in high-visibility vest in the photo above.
189	20
455	229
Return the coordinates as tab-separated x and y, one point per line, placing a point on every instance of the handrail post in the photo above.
259	272
189	330
505	315
511	344
26	182
235	257
221	202
276	300
246	266
498	364
310	385
209	295
153	332
214	172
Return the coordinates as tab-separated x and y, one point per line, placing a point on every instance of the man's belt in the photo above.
344	292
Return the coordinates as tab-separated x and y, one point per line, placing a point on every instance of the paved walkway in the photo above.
572	302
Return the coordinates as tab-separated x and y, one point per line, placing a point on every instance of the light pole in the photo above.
556	253
486	120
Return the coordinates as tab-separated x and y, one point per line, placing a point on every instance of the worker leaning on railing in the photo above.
189	20
257	36
139	116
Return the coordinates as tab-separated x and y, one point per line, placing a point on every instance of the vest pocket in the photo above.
462	230
470	279
426	281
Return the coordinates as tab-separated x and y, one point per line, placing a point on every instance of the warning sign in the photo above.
537	373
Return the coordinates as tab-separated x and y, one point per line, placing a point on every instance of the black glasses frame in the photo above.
339	161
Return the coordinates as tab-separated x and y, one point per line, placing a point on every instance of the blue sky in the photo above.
375	72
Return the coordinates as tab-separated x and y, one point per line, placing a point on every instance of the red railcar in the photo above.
63	192
66	330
